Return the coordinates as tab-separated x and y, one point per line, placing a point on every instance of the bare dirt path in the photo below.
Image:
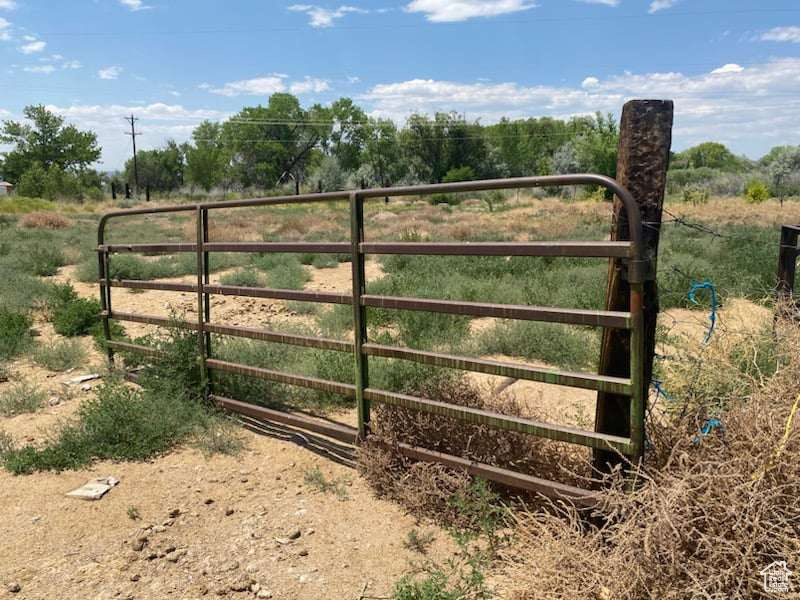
212	526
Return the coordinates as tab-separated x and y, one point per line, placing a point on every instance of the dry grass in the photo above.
427	489
710	513
44	220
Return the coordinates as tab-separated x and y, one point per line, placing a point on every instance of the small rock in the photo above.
54	401
135	577
36	519
86	387
303	552
140	543
264	594
229	512
310	532
176	555
231	565
209	501
14	588
159	529
241	583
295	534
175	513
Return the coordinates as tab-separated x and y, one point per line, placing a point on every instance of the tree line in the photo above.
328	148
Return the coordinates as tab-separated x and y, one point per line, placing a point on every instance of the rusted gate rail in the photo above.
631	251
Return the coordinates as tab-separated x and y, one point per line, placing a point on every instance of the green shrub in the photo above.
19	291
122	423
98	334
60	355
695	195
59	295
21	398
756	192
243	277
563	346
76	317
42	259
14	333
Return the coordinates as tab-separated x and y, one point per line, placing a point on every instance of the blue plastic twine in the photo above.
709	426
692	295
658	386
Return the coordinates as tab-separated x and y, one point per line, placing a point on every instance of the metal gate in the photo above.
629	252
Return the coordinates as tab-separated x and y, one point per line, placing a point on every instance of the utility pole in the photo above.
133	133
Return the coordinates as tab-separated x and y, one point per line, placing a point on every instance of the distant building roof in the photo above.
6	184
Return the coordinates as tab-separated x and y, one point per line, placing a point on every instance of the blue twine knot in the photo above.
692	295
709	426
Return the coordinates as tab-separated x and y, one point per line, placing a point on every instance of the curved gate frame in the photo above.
631	252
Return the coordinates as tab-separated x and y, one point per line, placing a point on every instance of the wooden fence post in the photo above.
787	261
644	146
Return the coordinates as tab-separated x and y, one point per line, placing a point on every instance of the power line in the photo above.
424	25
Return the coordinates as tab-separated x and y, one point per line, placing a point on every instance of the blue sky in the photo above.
732	66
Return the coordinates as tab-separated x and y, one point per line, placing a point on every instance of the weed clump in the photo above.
125	423
21	398
71	315
60	355
44	220
244	278
713	507
14	333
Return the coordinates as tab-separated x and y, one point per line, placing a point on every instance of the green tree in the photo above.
433	147
597	146
383	154
709	154
784	171
272	144
207	160
49	149
348	135
161	170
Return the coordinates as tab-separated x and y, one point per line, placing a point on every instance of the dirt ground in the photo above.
226	526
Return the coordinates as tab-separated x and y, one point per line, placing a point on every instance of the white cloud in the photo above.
32	46
71	65
259	86
745	108
41	69
4	24
729	68
134	5
605	2
309	85
590	82
7	5
657	5
160	121
443	11
320	17
112	72
782	34
268	85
